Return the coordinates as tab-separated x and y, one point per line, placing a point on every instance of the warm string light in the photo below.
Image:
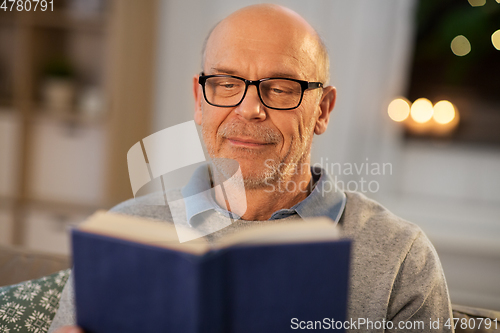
444	112
495	39
421	110
460	46
399	109
422	117
477	3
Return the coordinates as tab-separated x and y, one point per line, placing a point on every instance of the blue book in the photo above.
133	275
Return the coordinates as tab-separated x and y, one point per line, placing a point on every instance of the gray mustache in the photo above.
251	131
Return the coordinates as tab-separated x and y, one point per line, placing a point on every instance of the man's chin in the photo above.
259	183
249	161
257	173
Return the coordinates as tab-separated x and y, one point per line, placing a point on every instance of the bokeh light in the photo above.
495	39
399	109
444	112
460	46
478	3
421	110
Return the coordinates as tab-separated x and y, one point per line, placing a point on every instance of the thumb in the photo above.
69	329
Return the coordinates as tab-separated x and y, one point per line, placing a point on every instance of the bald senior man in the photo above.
267	126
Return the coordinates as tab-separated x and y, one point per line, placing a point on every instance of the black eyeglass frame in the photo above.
304	85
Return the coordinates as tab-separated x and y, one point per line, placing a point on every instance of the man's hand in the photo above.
69	329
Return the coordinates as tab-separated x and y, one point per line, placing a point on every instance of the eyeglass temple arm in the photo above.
314	85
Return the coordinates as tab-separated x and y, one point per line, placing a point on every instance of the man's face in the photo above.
259	138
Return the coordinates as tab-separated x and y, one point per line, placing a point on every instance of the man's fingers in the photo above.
69	329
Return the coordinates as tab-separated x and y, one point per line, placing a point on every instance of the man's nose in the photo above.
251	107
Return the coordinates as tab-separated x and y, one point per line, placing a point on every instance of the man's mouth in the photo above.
247	142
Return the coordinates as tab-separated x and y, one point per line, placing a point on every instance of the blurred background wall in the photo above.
76	92
446	183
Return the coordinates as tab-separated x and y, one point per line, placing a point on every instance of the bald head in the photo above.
268	23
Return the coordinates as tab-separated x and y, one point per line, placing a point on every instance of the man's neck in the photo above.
261	203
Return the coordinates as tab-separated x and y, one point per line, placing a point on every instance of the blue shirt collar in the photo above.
326	199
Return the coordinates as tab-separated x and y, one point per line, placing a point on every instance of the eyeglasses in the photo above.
274	93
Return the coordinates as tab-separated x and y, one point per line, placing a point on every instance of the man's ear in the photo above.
198	95
326	106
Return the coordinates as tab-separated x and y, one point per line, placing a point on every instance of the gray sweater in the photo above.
396	274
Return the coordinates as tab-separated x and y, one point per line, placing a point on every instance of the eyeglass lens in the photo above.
275	93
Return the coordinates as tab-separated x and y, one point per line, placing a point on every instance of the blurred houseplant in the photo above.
439	22
59	86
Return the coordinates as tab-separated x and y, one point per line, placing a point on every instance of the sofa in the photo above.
17	264
31	284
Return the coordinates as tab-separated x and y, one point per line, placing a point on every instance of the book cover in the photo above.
127	286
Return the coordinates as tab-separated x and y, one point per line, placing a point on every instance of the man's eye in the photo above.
281	91
228	85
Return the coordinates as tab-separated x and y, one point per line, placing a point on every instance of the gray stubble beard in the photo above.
273	173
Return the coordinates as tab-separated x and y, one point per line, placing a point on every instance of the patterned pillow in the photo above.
30	306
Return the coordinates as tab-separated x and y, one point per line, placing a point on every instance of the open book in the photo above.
133	275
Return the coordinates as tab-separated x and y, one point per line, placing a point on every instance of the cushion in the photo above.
30	306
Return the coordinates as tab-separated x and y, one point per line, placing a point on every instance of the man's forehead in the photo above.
260	26
269	16
286	53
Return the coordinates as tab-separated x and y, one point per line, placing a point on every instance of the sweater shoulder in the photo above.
152	206
364	217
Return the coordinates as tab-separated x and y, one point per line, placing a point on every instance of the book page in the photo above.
141	230
320	229
164	234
